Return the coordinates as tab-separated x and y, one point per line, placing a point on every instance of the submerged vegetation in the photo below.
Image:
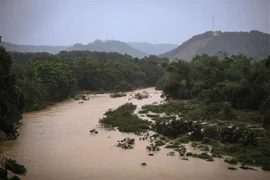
245	140
126	143
124	119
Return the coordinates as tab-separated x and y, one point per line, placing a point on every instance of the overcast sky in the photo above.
65	22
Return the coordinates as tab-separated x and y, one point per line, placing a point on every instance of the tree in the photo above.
10	167
11	98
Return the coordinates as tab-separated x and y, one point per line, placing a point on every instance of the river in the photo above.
55	144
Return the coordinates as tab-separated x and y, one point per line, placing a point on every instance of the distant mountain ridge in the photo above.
97	45
109	46
33	48
152	48
253	44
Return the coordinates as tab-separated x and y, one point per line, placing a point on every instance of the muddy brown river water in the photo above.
55	144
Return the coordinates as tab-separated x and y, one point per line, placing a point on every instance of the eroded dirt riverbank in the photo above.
56	144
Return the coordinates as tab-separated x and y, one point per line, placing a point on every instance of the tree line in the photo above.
220	83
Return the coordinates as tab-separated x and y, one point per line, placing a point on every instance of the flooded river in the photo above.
55	144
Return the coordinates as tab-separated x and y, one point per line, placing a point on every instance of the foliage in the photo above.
152	147
231	160
11	166
45	78
124	119
232	168
11	98
126	143
202	156
211	132
237	81
241	138
160	143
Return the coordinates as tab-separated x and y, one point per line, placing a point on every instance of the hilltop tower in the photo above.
213	27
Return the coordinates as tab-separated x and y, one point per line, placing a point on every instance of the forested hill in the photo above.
152	48
32	48
109	46
253	44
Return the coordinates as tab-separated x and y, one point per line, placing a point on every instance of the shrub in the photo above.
160	143
211	132
232	168
184	139
231	160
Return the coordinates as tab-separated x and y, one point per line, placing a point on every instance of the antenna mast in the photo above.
213	25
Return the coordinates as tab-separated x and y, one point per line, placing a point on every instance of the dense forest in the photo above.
240	80
45	78
220	83
252	44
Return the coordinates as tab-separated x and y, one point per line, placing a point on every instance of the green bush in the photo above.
231	160
211	132
160	143
184	139
124	119
232	168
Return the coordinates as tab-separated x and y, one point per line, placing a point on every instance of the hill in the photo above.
32	48
109	46
152	48
253	44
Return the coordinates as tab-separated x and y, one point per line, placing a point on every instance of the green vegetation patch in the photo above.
203	148
194	144
12	166
126	143
182	151
152	147
231	160
232	168
247	168
124	119
204	156
160	143
169	108
184	139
